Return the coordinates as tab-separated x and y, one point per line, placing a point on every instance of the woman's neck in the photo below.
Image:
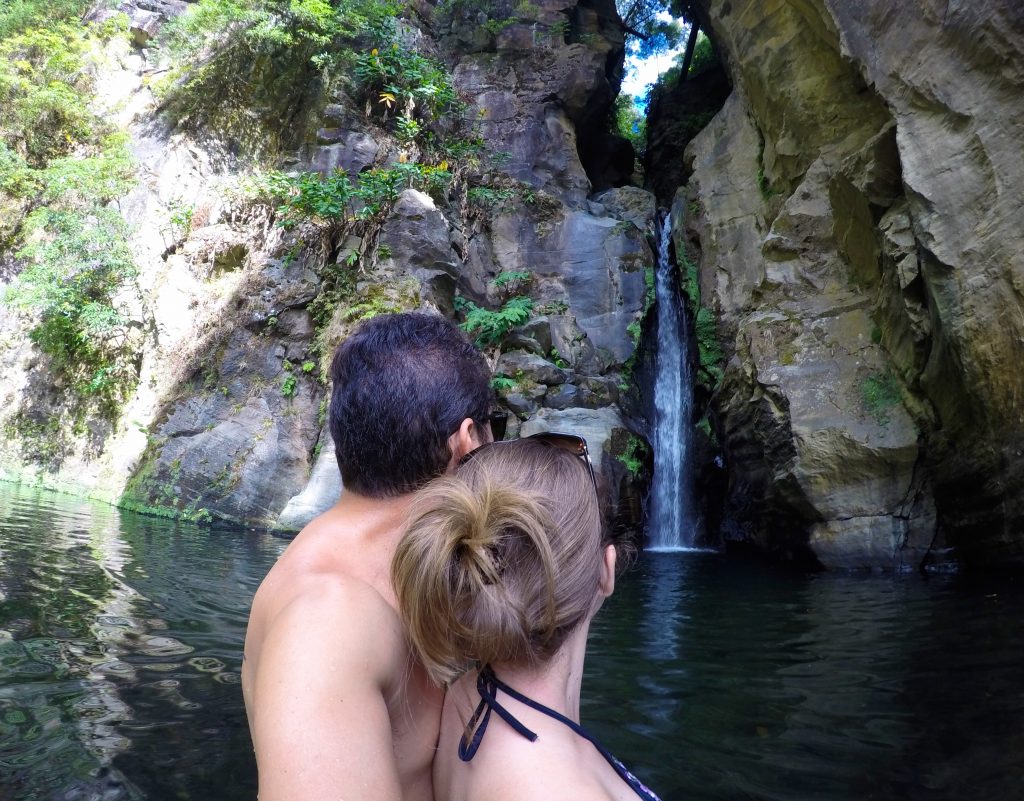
556	683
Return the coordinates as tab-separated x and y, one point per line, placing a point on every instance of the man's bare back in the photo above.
336	705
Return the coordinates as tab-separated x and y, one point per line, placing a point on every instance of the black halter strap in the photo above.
487	684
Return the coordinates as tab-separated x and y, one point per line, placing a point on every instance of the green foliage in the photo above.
512	282
43	442
704	427
490	327
709	349
64	165
17	16
17	179
289	386
704	57
630	122
83	180
275	55
77	264
634	331
881	393
503	385
396	78
554	307
689	281
181	218
635	456
489	197
45	87
232	56
334	199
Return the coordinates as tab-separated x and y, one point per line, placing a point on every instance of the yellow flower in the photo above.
373	52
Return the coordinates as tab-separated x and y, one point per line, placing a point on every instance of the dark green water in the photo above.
120	646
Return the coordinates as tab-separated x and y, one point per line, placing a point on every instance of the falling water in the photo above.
672	514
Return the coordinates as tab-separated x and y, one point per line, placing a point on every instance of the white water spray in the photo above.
672	523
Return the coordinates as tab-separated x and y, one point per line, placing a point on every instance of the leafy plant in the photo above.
503	385
76	267
634	456
335	199
289	386
397	79
46	83
488	197
181	218
232	56
709	349
17	16
512	282
630	122
490	327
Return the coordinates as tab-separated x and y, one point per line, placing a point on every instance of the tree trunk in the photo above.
691	43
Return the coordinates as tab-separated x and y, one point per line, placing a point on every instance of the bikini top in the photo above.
487	684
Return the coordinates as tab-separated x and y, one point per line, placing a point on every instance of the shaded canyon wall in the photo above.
854	211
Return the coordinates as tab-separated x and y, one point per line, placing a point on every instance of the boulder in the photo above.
515	364
320	493
593	264
630	204
352	151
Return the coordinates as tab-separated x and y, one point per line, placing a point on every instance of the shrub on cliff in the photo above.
229	59
60	167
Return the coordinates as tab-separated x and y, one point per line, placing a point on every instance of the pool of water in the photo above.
121	638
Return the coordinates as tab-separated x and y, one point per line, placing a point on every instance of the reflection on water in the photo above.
719	681
120	646
121	639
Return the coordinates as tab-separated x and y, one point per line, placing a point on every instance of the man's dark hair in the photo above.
403	384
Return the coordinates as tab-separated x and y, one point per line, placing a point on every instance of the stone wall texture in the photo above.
856	209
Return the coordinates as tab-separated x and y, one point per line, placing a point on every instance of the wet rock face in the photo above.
228	419
541	85
860	249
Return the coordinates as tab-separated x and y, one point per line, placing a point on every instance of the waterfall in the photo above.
672	520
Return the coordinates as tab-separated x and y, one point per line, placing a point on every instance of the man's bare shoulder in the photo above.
306	593
318	598
314	565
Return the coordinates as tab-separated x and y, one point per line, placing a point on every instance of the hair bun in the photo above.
500	561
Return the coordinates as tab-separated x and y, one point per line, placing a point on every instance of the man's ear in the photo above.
468	437
607	583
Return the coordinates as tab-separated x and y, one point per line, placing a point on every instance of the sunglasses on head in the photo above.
572	443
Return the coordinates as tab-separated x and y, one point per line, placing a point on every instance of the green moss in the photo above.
881	393
710	352
689	279
634	456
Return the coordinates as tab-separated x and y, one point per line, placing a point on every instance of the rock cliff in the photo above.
854	212
239	315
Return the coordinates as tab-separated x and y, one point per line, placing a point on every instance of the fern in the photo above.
490	327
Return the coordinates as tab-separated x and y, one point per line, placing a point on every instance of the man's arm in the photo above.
321	725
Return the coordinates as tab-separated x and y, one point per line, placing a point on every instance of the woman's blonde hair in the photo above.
500	561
